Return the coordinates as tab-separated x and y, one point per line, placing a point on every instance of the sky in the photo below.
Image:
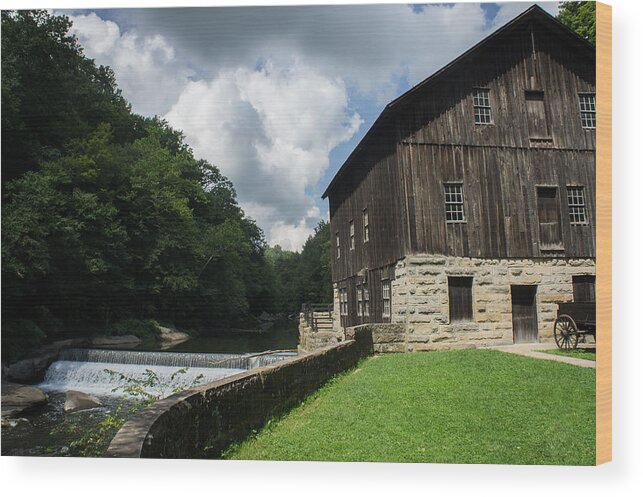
278	97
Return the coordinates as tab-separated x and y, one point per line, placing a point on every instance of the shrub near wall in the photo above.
203	421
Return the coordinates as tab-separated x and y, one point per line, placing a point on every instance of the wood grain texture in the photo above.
429	138
604	234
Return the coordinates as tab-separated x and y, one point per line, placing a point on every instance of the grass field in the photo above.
469	406
589	354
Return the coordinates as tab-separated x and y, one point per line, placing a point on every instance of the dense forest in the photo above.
108	218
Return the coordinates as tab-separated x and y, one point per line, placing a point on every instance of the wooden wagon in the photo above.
575	319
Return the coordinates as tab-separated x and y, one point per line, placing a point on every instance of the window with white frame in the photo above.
365	222
576	204
454	202
339	250
367	303
386	298
481	106
343	302
359	301
587	102
351	230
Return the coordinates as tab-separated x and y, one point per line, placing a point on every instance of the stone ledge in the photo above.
203	421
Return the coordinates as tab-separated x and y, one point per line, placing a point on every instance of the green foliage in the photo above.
52	93
150	388
469	406
580	353
139	392
109	220
580	17
142	328
94	442
303	277
19	337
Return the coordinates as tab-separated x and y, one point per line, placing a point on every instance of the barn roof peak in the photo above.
535	11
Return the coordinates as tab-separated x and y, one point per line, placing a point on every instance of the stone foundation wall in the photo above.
420	298
310	340
203	421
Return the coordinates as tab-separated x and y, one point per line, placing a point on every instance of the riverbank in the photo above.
48	430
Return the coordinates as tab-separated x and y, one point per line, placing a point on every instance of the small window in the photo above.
386	298
351	227
481	106
454	202
365	219
576	204
367	304
584	288
343	302
359	300
587	102
551	237
339	250
460	299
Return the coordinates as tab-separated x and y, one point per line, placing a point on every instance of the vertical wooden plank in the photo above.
604	234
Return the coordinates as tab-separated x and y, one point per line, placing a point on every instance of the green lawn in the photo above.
468	406
589	354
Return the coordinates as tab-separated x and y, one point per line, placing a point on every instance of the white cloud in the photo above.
147	69
270	130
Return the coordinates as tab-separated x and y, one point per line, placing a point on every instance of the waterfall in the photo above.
88	370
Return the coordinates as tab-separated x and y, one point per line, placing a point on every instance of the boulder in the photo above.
116	341
18	399
172	336
264	316
30	370
80	401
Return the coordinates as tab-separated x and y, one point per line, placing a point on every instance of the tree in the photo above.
52	93
305	276
580	17
108	219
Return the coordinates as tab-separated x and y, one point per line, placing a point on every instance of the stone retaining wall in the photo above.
203	421
420	297
420	302
310	340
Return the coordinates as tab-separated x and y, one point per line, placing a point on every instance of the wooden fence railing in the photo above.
318	316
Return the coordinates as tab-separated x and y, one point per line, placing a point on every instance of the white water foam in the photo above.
92	377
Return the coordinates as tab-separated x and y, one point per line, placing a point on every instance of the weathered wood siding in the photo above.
534	72
373	184
500	187
443	111
498	165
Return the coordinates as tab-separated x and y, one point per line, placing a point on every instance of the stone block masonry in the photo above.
203	421
420	298
420	317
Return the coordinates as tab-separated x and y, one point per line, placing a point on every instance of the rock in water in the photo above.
17	399
116	341
173	336
79	401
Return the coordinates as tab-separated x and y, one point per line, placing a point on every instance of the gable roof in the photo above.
534	11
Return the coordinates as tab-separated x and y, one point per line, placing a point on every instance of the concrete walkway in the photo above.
531	350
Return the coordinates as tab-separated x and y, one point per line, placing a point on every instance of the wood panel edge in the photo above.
604	233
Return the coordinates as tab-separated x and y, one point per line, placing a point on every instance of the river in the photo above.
49	431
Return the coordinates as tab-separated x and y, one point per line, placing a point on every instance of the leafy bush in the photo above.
19	338
142	328
140	392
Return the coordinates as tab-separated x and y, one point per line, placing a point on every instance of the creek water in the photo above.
104	373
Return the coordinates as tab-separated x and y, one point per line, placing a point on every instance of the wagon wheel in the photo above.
565	332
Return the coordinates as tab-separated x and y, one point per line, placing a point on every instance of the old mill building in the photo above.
468	210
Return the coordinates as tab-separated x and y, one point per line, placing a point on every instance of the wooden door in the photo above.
523	313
